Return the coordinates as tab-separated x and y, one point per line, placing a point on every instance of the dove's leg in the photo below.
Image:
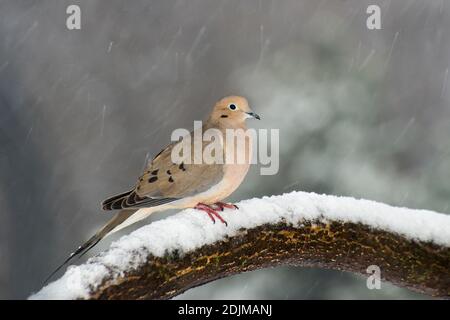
211	212
206	209
223	205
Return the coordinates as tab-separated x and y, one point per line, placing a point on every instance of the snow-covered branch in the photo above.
167	257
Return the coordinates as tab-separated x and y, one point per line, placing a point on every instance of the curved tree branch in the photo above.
342	246
414	260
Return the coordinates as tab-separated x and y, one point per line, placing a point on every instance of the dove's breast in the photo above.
233	175
234	172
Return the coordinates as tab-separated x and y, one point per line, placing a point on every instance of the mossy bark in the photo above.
419	266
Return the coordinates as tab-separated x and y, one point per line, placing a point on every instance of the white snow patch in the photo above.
191	229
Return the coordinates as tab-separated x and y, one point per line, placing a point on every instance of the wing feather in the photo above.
164	181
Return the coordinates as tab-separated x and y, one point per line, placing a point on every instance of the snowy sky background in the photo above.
362	113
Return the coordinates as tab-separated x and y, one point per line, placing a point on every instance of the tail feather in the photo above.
89	244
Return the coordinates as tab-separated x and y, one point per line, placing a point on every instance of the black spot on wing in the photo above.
152	179
171	179
155	172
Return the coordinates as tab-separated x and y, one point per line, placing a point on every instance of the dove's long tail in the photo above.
113	225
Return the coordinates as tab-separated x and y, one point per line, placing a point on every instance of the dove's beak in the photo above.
253	115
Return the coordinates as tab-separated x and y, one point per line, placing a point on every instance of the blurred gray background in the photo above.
363	113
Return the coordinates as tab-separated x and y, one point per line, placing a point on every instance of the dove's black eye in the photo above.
232	106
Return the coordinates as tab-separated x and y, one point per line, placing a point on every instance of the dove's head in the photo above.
232	109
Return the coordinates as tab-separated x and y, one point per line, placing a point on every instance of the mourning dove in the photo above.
166	184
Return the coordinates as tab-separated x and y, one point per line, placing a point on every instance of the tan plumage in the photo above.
168	185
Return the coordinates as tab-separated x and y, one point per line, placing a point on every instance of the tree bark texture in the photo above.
419	266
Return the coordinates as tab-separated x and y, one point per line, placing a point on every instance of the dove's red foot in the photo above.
211	212
222	205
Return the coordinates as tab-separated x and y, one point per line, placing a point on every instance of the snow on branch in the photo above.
167	257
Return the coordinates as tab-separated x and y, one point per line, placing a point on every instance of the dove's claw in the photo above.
223	205
211	212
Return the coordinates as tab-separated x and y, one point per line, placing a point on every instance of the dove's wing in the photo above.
164	181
